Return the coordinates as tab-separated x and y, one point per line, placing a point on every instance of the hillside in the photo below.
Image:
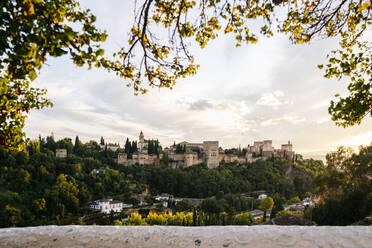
38	189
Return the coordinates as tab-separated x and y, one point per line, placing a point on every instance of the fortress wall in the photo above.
177	157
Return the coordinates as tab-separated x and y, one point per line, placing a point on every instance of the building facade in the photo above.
106	206
141	157
61	153
207	152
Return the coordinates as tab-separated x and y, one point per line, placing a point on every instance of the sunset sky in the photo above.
270	90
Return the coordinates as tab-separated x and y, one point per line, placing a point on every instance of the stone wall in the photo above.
176	157
122	158
61	153
165	236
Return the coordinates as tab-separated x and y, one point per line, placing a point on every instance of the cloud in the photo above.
272	99
217	105
201	105
294	119
357	140
288	119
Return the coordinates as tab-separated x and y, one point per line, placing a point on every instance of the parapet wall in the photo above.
176	237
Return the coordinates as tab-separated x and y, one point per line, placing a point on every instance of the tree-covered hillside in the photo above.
37	188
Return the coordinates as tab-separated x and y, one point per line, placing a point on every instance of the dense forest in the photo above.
38	188
345	188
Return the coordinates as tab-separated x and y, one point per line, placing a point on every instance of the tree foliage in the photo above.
266	203
244	219
345	187
159	45
40	189
31	32
287	212
135	219
293	200
194	218
346	171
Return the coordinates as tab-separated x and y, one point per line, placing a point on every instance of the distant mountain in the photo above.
317	155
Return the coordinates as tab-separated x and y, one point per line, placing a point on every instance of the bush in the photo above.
284	212
156	219
293	200
135	219
244	219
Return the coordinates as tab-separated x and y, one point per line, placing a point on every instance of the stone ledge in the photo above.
175	237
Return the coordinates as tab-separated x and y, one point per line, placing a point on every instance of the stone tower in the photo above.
141	143
211	153
287	150
189	157
267	148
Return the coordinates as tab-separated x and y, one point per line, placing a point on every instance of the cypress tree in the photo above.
127	147
194	217
78	147
134	146
156	147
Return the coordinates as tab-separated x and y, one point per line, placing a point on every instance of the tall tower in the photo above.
211	153
267	148
287	150
141	142
290	146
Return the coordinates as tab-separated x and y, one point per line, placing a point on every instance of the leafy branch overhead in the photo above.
159	53
31	31
158	49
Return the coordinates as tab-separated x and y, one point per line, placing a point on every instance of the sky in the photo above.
269	90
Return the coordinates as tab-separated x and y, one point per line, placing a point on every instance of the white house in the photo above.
257	214
163	197
106	206
295	207
98	171
262	196
308	202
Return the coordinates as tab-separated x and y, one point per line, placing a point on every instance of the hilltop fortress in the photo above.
185	154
